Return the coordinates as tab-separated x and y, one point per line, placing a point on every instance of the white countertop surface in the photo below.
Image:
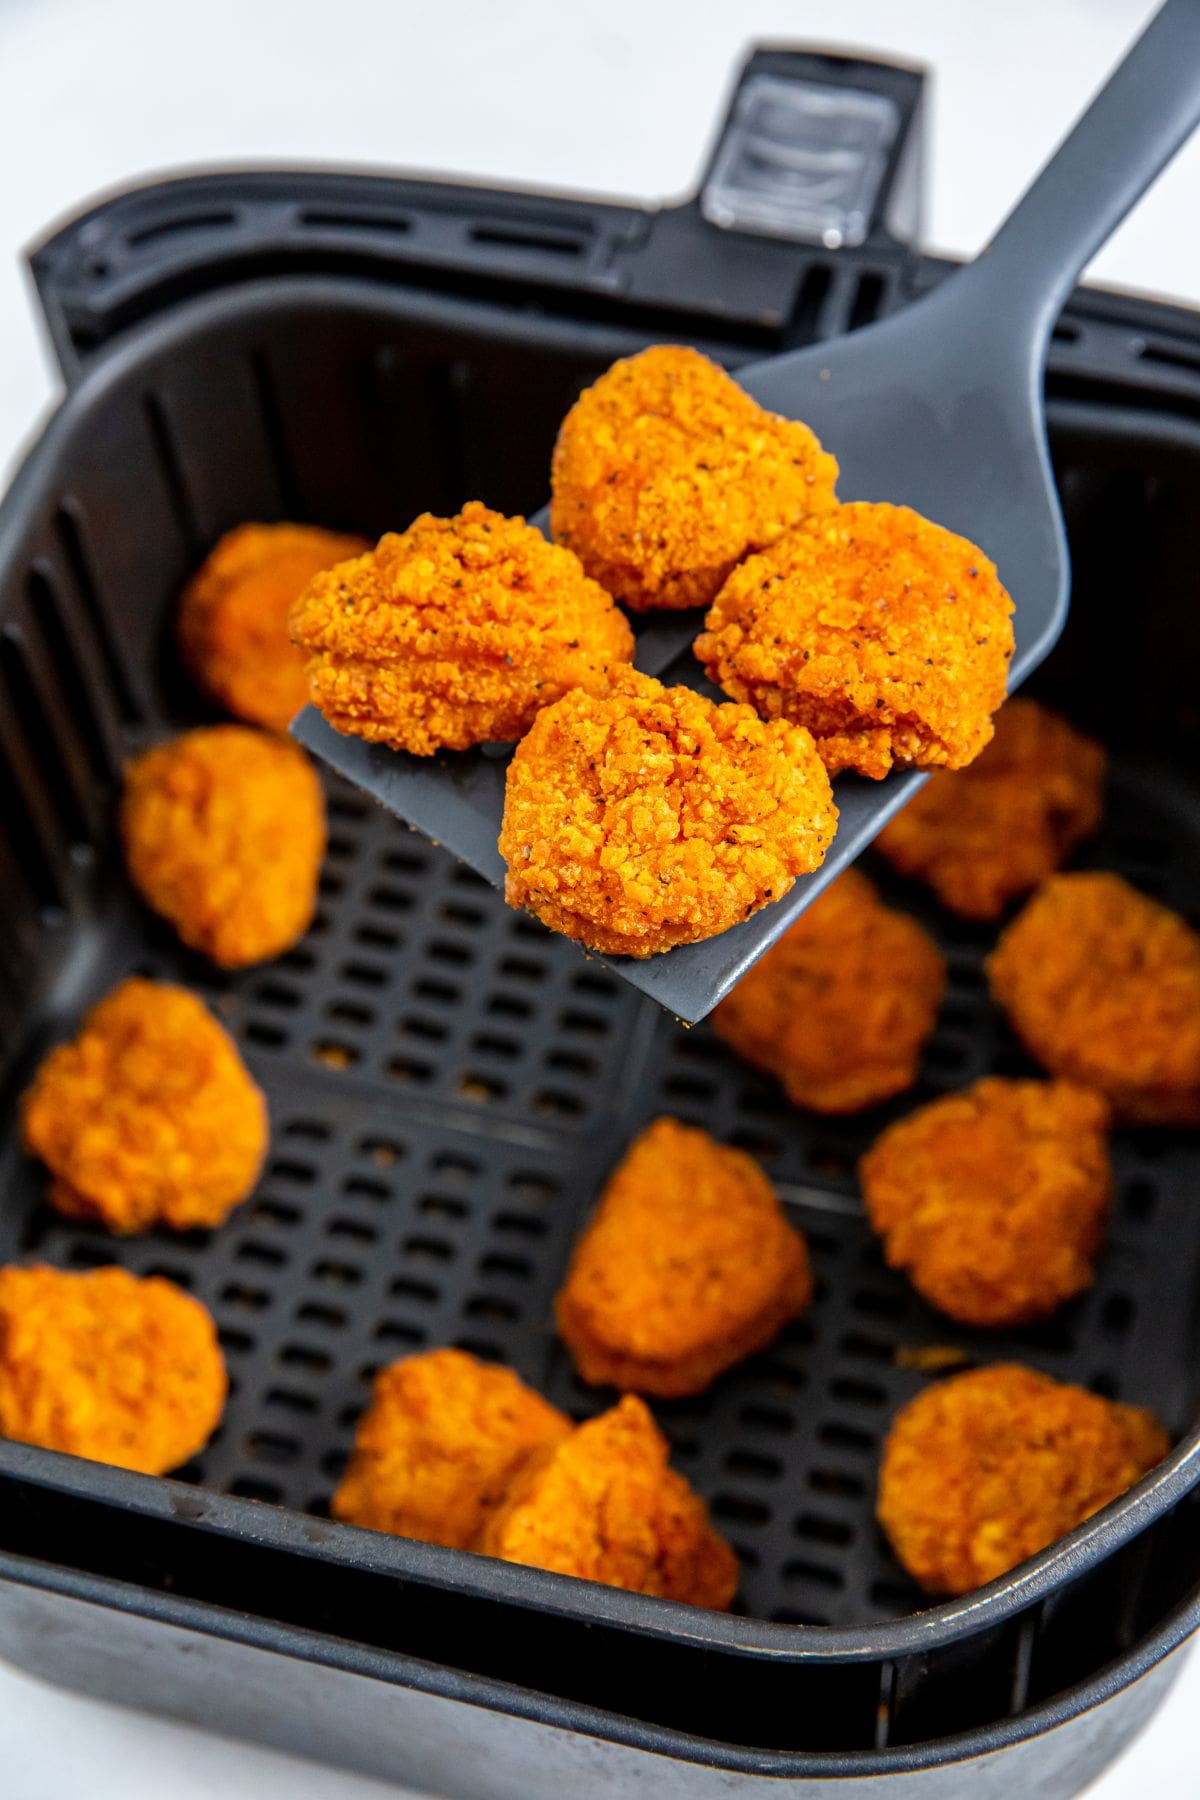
613	97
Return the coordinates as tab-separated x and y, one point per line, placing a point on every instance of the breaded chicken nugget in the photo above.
224	831
233	617
666	473
994	1200
646	816
604	1505
840	1007
107	1366
884	634
455	632
687	1265
985	1469
439	1444
983	835
149	1117
1103	987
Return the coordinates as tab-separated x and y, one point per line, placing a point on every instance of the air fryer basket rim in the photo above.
400	1669
1091	1542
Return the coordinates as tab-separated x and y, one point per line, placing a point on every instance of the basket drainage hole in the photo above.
822	1531
767	1418
481	1088
754	1465
252	1299
871	1349
430	1031
845	1437
740	1510
423	1292
441	1206
362	1187
266	1256
407	1068
895	1596
300	1356
442	993
449	1162
331	1317
382	1151
340	1274
553	1100
1117	1314
520	1225
332	1054
348	1012
816	1573
837	1481
285	1169
274	1212
505	1006
1140	1197
486	1306
363	974
273	1447
288	1400
518	1268
246	1488
395	1331
310	1129
352	1229
429	1248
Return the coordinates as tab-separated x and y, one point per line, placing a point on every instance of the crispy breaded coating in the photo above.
646	816
604	1505
994	1200
983	835
666	473
233	617
107	1366
439	1444
839	1009
455	632
688	1265
985	1469
888	637
149	1117
1103	987
224	831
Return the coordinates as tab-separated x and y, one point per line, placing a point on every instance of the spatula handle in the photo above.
1138	120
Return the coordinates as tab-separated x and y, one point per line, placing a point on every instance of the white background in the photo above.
604	96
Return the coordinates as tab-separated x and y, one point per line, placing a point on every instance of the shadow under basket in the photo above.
449	1085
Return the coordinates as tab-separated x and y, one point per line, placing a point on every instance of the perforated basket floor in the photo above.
448	1087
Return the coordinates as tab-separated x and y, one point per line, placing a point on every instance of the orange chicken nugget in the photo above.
455	632
994	1200
983	835
688	1265
1103	987
604	1505
149	1117
888	637
839	1008
224	831
985	1469
439	1444
107	1366
233	617
646	816
666	473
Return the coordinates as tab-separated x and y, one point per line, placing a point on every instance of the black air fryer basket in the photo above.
449	1084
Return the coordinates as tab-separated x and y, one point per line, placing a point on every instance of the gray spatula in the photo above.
939	407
